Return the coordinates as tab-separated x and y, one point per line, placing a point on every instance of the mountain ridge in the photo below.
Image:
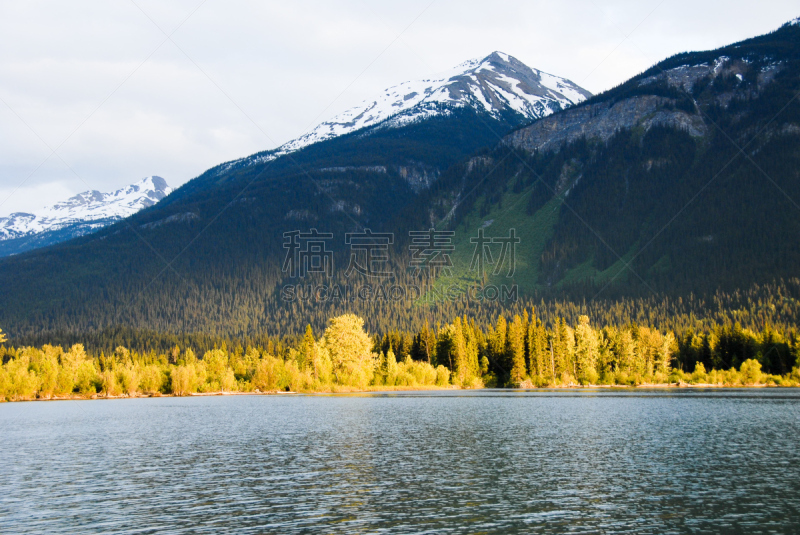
495	84
81	214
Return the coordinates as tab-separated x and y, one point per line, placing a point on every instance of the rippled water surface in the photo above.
459	462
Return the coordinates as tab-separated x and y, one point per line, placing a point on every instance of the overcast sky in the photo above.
121	90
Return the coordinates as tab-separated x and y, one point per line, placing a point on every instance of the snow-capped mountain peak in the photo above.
496	84
86	211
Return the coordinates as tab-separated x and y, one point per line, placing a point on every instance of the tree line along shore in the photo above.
520	352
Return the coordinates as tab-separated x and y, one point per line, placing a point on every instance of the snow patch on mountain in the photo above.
495	84
90	209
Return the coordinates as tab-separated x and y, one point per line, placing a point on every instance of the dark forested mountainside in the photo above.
679	186
208	257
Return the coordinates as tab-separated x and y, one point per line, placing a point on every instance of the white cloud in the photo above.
287	65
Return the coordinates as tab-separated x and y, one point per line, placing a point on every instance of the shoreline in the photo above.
377	389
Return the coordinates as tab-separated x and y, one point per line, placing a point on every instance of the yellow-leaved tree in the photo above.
349	348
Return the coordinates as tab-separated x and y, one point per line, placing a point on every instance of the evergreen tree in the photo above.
564	346
516	349
460	360
498	354
306	349
586	351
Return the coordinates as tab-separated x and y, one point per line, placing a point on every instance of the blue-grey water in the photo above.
716	461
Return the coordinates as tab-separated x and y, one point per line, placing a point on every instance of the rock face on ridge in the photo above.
602	119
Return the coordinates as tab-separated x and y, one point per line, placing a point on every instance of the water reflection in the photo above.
487	461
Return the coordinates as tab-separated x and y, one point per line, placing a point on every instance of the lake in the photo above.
489	461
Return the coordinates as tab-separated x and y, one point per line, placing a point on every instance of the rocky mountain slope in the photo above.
674	108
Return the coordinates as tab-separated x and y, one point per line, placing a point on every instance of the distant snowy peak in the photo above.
495	84
121	203
87	208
